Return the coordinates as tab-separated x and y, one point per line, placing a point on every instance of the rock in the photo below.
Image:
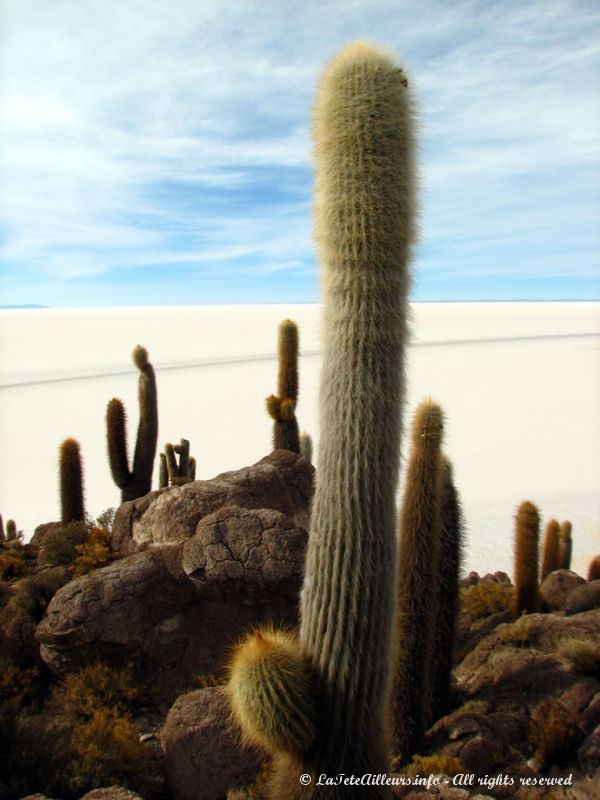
557	586
111	793
178	608
496	577
470	580
583	598
42	531
203	754
588	755
282	481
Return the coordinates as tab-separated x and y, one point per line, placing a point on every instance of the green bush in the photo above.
485	599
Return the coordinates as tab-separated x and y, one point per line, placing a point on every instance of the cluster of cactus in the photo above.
174	473
320	702
282	406
429	565
558	546
136	481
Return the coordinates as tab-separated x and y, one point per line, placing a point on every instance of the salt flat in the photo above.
519	383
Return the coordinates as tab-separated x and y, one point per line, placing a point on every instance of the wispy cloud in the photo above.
144	133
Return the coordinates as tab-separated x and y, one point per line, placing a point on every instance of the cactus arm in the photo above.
192	468
117	443
71	482
550	552
163	472
147	434
183	449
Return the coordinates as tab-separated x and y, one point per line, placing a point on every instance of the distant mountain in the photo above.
25	305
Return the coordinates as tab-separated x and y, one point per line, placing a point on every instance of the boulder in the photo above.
282	481
583	597
111	793
42	531
176	609
557	586
203	753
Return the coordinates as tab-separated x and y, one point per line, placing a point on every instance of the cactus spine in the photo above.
565	545
418	572
71	482
447	604
282	407
364	229
526	558
137	481
550	552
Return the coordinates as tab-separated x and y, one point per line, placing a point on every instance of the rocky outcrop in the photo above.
281	481
583	597
203	754
176	609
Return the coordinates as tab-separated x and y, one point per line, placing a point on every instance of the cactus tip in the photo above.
140	357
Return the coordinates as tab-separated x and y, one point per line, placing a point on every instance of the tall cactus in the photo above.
282	407
527	530
550	551
11	530
71	482
417	576
137	481
447	604
364	228
565	545
2	534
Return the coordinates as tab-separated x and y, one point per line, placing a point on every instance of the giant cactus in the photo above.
71	482
527	531
282	407
364	228
565	545
136	481
418	575
550	551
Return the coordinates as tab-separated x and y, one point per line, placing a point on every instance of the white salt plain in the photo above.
519	383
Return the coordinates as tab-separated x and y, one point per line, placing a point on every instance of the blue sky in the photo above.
159	153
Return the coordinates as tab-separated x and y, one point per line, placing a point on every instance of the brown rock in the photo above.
178	608
557	586
42	531
588	755
281	481
203	754
583	597
111	793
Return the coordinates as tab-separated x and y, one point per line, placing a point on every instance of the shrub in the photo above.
485	599
516	633
34	593
583	654
18	685
60	545
12	563
97	686
554	732
434	765
93	554
209	680
106	518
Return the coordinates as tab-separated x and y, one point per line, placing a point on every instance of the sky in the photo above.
159	153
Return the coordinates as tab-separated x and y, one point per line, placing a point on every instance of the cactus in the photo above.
550	553
271	692
172	472
565	545
418	573
447	604
137	481
526	558
594	569
71	482
11	530
282	407
2	534
306	446
364	229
